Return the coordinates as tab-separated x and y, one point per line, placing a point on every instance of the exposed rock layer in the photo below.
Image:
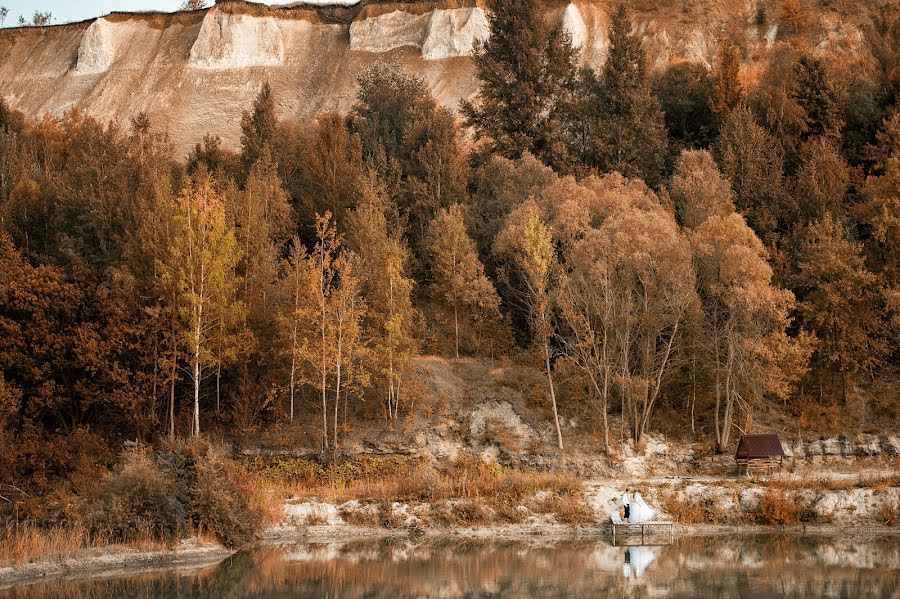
195	72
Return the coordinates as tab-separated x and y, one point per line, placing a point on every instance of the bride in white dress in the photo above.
639	510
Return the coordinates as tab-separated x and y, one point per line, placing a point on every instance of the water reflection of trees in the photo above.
694	567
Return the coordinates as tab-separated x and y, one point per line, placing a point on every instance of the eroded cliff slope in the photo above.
195	72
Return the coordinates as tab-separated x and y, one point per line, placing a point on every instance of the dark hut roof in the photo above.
759	446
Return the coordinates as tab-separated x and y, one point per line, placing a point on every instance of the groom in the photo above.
626	501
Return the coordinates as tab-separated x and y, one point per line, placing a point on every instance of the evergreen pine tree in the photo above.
727	91
626	130
258	127
528	77
818	98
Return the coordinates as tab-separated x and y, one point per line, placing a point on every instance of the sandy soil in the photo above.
115	561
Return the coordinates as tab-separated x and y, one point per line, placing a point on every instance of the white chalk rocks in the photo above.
454	32
442	33
386	32
573	24
229	41
96	50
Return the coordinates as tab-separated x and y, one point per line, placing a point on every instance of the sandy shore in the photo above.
114	561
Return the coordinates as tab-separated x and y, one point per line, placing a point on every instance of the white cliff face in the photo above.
96	50
237	41
386	32
454	32
573	24
439	34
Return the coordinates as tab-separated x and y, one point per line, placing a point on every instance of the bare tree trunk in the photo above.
693	390
324	340
218	383
337	390
196	365
456	327
172	398
552	392
293	372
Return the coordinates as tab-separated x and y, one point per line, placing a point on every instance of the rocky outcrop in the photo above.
389	31
194	72
844	446
96	50
574	25
454	32
438	34
228	41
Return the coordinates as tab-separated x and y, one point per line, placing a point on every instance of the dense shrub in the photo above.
161	496
222	501
779	508
137	501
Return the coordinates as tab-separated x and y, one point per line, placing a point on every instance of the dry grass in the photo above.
691	512
26	543
830	483
498	433
779	508
360	517
467	492
315	518
465	512
408	479
889	514
570	509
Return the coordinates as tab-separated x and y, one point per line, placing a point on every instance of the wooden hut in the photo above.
759	454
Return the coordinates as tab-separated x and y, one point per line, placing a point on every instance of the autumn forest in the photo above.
714	243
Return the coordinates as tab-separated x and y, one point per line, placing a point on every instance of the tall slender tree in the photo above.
459	275
258	127
377	239
201	266
528	242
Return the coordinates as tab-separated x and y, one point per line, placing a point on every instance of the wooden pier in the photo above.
624	531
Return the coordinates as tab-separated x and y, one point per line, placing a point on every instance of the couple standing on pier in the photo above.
636	509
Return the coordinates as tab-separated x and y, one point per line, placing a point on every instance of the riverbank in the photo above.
189	556
115	561
471	498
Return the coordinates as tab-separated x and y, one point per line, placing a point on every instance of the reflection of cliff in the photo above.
700	567
194	72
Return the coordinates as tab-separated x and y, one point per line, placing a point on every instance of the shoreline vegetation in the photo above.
301	501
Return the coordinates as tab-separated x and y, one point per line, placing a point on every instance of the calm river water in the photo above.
746	566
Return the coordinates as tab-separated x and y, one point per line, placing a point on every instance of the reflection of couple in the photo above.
636	561
636	509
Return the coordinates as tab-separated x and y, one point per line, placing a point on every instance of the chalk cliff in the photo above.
194	72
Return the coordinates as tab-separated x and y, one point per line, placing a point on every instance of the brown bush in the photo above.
509	512
316	519
388	518
889	514
498	433
137	501
466	512
162	496
779	508
681	511
222	500
684	511
360	517
570	509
